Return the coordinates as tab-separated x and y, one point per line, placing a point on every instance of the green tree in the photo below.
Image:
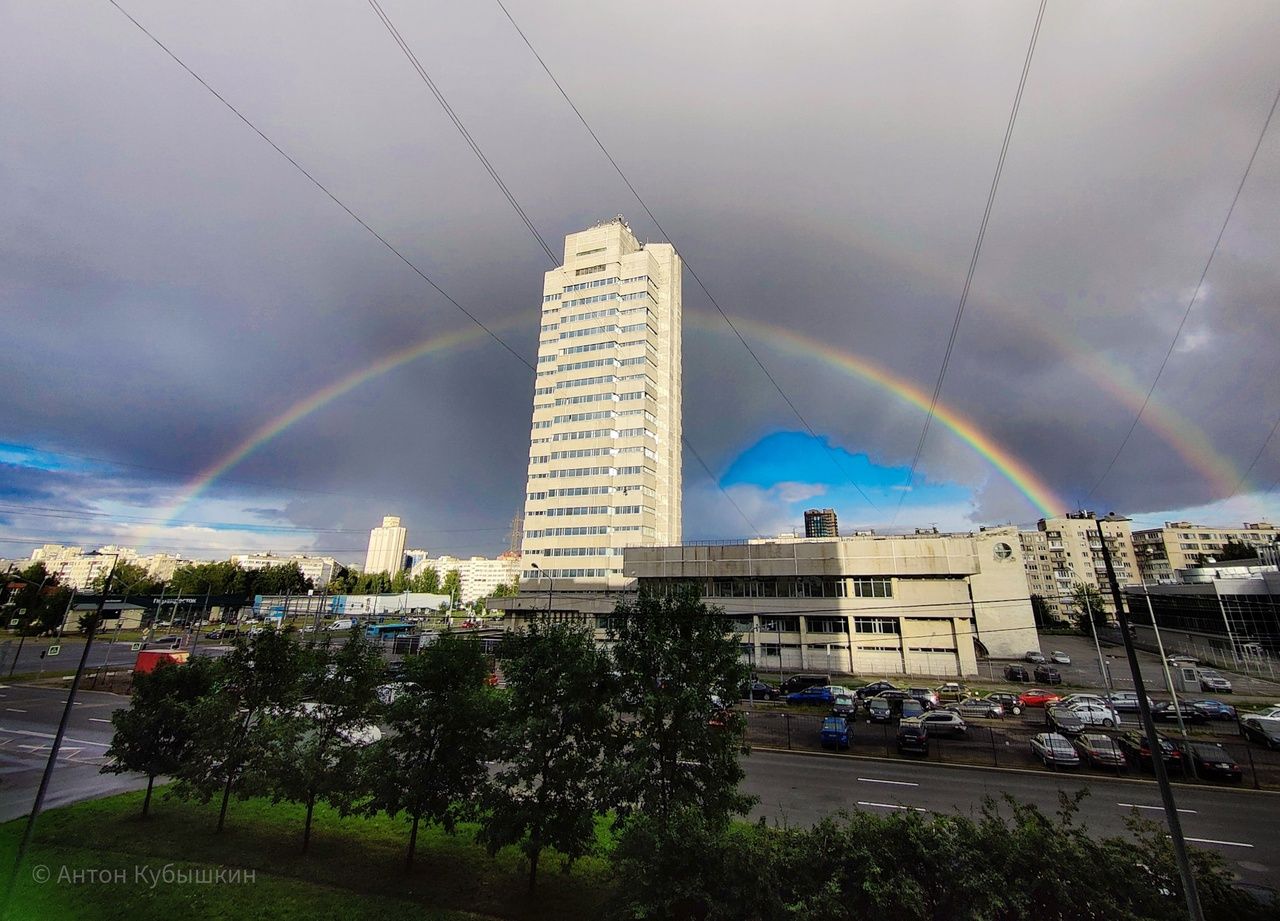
426	581
452	585
432	765
1235	550
400	581
343	580
156	733
1085	599
674	654
225	578
277	580
371	583
507	590
316	751
1040	612
129	579
239	725
553	743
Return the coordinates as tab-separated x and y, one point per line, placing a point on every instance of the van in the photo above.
801	682
342	623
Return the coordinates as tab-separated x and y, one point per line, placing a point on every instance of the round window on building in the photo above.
1003	551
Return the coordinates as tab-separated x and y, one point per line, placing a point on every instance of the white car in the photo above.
1096	715
1060	657
342	623
1097	700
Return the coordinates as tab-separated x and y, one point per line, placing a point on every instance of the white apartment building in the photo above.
1161	552
80	570
605	443
480	576
1066	551
386	547
319	569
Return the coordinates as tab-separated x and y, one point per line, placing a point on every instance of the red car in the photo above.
1037	697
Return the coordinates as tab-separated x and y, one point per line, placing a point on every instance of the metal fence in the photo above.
993	743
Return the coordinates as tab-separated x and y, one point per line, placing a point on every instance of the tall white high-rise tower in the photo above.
604	458
386	547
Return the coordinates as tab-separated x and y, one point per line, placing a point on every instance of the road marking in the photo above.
98	719
1157	808
892	806
1215	841
14	710
49	735
896	783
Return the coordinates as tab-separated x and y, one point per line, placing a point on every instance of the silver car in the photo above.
1054	750
1213	681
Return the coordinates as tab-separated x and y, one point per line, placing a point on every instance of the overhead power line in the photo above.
1177	333
1257	457
658	224
462	129
973	259
378	236
323	188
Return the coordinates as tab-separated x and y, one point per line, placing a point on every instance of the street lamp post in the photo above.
1164	663
1088	610
22	636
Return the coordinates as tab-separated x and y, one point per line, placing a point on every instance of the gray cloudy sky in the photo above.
170	285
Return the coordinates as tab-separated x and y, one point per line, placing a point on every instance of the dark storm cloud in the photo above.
171	285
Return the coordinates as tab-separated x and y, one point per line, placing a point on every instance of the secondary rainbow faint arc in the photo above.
1005	462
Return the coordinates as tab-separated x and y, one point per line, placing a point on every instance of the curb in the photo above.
852	759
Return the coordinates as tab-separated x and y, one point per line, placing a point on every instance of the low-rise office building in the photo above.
927	604
1229	621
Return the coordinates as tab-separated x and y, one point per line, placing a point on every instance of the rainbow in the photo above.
1008	465
1037	492
1184	437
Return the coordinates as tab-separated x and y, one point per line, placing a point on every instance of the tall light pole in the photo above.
1088	610
551	586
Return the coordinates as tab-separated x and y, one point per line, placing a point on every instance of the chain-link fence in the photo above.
996	743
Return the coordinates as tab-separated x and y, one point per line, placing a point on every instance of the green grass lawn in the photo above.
355	869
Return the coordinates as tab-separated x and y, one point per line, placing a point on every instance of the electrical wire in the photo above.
667	237
1257	457
1177	333
973	261
462	129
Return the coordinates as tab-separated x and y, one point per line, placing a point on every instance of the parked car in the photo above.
1100	751
874	688
1125	701
979	707
343	623
1213	681
913	737
1262	727
835	732
800	682
1165	711
910	709
1016	673
1012	705
1054	750
758	690
1176	660
1064	720
1038	697
221	633
1060	657
1215	709
1096	714
1047	674
1209	759
845	705
1096	699
944	723
928	699
1035	658
817	694
1134	746
951	690
879	710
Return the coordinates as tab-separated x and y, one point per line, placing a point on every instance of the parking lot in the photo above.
1004	743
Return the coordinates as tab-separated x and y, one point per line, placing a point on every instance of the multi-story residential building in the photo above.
319	569
821	522
480	576
386	547
928	604
1066	551
77	569
605	443
1161	552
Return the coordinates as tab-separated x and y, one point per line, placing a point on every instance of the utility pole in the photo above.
1194	911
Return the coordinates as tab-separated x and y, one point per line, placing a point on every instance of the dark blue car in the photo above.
835	732
1214	709
816	695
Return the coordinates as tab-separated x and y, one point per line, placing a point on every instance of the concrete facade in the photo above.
1161	552
386	547
605	443
480	575
319	569
1065	551
821	522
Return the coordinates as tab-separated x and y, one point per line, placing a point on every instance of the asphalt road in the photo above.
800	789
30	663
28	720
